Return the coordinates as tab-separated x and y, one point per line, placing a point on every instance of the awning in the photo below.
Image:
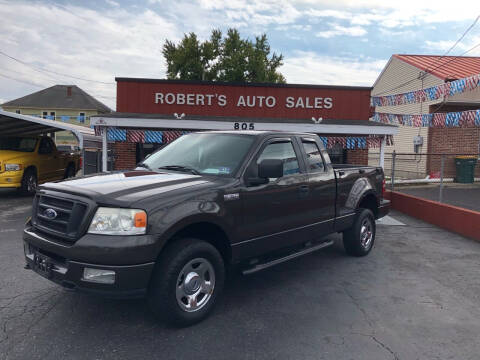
12	124
196	122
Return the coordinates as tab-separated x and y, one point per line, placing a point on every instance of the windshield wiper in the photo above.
180	168
144	166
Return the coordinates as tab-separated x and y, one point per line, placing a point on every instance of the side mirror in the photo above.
270	168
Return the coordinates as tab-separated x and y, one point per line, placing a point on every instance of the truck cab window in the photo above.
45	146
283	151
314	156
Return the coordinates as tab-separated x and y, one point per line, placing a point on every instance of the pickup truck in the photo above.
27	161
170	229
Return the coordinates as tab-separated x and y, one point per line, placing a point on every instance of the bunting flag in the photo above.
114	134
467	118
355	143
136	136
153	137
432	93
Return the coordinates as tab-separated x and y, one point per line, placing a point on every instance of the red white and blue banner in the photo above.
355	143
432	93
469	118
166	136
142	136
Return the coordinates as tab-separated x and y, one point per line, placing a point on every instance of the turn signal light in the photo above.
140	219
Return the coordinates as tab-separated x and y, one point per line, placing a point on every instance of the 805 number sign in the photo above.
243	126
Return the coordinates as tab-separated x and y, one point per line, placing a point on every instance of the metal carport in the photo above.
12	124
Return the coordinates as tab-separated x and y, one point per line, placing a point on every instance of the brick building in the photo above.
152	112
404	73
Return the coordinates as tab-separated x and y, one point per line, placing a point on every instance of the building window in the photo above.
52	115
44	114
81	117
17	112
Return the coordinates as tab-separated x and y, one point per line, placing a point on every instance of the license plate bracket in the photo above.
42	264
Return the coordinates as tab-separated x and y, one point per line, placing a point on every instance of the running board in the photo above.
294	255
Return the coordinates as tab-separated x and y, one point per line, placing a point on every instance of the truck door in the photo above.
321	181
273	213
47	161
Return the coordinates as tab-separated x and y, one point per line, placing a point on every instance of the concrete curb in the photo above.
453	218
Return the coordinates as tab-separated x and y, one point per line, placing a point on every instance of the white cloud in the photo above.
337	30
112	3
311	68
83	43
470	47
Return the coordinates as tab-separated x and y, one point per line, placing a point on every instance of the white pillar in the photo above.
104	150
382	152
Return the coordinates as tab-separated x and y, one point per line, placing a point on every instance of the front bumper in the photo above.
384	208
131	281
11	179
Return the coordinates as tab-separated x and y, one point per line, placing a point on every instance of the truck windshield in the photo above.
18	144
208	154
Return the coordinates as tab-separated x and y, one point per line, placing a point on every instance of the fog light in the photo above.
98	276
9	180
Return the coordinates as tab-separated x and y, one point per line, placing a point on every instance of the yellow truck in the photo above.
27	161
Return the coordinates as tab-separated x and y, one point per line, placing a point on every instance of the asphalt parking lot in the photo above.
463	195
416	296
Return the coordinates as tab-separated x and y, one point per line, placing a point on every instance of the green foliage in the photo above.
230	59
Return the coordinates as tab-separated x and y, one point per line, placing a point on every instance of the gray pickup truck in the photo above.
169	229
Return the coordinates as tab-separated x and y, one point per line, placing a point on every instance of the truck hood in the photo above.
9	155
126	186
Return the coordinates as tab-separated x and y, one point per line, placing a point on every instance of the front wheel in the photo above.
186	282
29	182
359	239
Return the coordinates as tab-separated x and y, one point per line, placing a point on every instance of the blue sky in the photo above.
342	42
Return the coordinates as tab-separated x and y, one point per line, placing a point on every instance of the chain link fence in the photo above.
452	178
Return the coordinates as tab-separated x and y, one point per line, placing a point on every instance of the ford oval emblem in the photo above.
50	214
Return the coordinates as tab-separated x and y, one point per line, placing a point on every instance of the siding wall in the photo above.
396	73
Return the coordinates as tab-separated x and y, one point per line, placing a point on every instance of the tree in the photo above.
230	59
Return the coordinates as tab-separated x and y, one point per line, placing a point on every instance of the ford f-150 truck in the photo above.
170	228
28	161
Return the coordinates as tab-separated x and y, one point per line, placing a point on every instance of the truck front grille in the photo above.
62	218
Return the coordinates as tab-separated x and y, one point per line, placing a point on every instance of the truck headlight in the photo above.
13	167
116	221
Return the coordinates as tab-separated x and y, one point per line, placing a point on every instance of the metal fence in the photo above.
452	178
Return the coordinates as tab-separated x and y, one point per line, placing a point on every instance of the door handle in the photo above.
304	189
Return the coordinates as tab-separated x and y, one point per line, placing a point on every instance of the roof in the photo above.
60	97
444	67
12	124
249	84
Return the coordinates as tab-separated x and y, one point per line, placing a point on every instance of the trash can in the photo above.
465	169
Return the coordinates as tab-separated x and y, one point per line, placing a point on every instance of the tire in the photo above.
359	239
29	182
70	171
181	294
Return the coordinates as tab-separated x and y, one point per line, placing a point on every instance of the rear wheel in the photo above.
29	182
186	282
359	239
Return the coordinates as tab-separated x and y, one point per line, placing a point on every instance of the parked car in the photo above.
169	229
67	148
26	162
